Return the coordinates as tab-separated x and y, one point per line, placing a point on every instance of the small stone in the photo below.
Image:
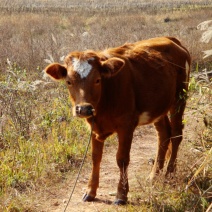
112	193
56	203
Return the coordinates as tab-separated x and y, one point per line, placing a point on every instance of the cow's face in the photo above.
83	76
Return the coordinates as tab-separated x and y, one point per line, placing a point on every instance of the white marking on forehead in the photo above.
82	67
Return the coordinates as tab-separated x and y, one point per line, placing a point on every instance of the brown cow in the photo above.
120	88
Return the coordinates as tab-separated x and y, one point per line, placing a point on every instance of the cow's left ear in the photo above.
111	66
56	71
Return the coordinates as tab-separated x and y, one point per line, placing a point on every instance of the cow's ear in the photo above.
56	71
111	66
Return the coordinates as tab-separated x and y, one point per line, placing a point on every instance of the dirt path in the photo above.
143	147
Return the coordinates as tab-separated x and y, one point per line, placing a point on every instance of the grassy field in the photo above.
40	142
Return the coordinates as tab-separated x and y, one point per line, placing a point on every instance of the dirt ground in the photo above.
143	148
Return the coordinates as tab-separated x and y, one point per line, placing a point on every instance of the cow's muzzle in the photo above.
84	110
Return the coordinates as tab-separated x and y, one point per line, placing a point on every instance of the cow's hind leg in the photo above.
164	133
176	117
97	149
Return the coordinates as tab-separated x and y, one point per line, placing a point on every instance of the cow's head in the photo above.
83	73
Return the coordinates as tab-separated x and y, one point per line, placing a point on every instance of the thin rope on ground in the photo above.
80	169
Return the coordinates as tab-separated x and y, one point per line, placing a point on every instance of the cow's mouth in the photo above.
84	110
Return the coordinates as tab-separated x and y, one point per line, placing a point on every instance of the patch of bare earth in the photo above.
143	148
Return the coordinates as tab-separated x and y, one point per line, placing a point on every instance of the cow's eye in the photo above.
68	82
98	81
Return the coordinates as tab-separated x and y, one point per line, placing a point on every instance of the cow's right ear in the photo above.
56	71
111	66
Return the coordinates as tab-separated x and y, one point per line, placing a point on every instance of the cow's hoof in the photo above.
119	202
87	198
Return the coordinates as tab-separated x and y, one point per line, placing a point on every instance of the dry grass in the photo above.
28	38
92	5
39	140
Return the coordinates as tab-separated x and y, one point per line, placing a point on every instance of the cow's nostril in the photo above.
90	110
85	110
78	109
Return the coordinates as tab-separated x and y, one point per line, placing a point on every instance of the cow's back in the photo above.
154	73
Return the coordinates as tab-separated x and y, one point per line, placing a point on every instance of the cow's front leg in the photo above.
123	158
93	184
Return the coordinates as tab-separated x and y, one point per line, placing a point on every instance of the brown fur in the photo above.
137	83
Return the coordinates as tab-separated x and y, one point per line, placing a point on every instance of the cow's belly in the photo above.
146	118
